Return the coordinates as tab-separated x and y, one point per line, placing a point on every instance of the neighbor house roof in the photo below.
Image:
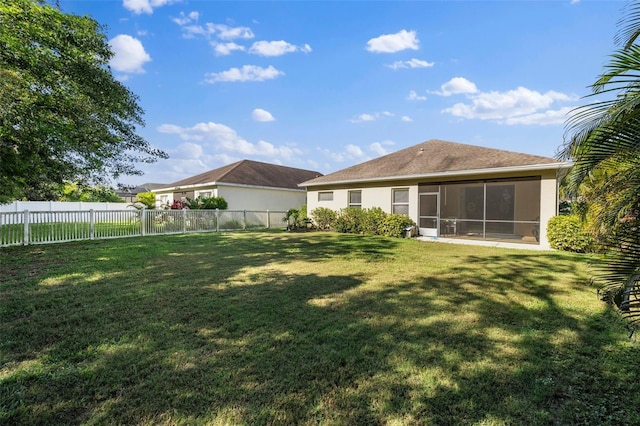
435	158
145	187
251	173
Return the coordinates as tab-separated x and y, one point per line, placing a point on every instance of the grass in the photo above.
307	328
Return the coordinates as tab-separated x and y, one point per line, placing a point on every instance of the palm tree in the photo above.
603	141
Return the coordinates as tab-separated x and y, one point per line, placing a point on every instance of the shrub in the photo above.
568	233
178	205
373	219
323	217
148	199
207	203
350	220
394	225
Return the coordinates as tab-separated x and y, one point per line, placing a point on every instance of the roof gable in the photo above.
253	173
433	157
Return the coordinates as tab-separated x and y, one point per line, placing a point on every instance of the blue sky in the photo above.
326	85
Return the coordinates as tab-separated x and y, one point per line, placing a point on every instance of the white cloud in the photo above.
262	115
223	49
223	140
412	63
406	119
546	118
379	147
185	19
246	73
129	54
413	96
456	86
145	6
371	117
519	106
221	31
225	32
391	43
276	48
363	117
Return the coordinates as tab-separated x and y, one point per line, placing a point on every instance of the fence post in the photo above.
92	224
217	220
25	221
244	220
268	220
143	221
184	221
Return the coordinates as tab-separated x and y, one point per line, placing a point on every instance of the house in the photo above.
130	195
245	185
451	190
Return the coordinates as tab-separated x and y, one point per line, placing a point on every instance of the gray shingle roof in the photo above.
432	157
254	173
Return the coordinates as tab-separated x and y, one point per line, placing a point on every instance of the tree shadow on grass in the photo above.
494	340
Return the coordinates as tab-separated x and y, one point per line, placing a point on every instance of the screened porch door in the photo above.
428	215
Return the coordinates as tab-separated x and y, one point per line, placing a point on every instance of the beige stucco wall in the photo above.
253	198
247	197
379	195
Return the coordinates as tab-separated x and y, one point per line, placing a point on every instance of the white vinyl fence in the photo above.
61	206
28	227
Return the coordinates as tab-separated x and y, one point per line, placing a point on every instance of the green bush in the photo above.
350	220
323	217
394	225
207	203
568	233
373	219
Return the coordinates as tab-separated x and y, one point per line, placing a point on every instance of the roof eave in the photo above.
216	183
453	173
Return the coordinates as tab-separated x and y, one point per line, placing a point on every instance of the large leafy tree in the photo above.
63	115
603	141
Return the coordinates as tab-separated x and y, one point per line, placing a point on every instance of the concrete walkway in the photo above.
499	244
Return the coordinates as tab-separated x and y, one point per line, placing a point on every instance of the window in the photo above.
325	196
164	200
205	194
355	199
400	201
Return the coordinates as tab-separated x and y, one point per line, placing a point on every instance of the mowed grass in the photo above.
309	328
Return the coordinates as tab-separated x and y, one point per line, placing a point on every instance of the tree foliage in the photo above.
604	144
63	116
78	192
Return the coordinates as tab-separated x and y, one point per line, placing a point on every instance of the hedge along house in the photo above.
245	185
451	190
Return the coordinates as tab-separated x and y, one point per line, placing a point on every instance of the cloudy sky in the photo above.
325	85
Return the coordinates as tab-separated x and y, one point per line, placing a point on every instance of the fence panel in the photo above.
116	223
17	228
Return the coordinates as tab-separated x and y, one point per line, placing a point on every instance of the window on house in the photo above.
164	200
400	201
355	199
325	196
206	194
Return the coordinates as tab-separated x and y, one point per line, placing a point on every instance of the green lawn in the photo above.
308	328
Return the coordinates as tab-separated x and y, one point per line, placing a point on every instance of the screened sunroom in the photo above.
497	210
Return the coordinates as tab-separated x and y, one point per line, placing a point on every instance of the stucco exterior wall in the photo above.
246	197
252	198
380	195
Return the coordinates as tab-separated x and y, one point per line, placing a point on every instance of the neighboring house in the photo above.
131	195
451	190
245	185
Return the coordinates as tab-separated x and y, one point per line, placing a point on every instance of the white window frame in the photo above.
355	205
328	194
395	204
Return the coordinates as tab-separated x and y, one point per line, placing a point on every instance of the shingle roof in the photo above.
254	173
432	157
